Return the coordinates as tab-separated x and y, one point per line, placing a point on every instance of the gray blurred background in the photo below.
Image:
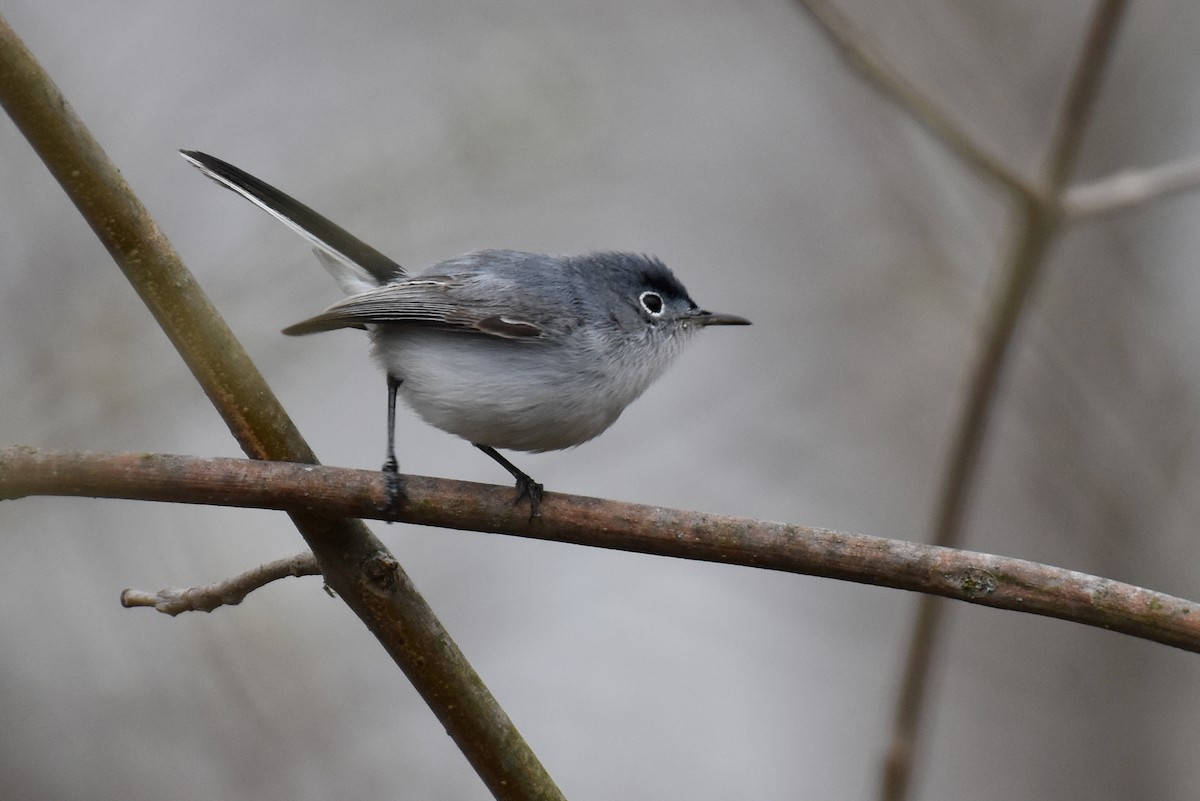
732	141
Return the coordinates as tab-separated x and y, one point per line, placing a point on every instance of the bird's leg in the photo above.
526	486
391	468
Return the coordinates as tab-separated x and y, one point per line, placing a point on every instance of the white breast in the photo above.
524	395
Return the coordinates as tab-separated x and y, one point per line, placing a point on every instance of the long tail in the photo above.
353	263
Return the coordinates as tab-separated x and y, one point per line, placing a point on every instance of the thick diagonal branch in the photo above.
390	605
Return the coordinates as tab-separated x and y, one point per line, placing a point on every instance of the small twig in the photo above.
1131	188
866	57
978	578
230	592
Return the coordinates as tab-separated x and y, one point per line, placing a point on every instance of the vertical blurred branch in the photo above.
1038	221
352	560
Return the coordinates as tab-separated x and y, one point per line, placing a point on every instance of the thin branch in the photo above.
866	57
393	611
1066	137
1039	221
1036	232
978	578
1131	188
230	592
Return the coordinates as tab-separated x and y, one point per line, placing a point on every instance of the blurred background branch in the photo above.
1038	222
1036	226
865	56
1129	189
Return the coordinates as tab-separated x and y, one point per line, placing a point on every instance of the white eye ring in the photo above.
652	302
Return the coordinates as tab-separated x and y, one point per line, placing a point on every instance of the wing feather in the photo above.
465	302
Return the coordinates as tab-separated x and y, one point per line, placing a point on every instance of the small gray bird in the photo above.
505	349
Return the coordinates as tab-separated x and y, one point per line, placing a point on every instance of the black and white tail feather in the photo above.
355	265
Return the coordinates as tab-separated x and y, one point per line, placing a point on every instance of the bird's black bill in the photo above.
715	318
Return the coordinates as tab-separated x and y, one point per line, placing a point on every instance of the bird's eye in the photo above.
652	302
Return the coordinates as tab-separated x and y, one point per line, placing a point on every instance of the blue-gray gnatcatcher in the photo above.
505	349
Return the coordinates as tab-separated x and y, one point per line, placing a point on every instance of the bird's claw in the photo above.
394	496
528	488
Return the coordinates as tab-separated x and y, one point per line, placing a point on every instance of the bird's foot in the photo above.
394	496
528	488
